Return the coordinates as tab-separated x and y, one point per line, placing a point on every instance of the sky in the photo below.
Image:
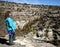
44	2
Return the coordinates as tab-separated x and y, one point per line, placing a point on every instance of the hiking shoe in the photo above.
11	43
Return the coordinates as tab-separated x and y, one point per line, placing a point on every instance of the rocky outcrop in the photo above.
41	19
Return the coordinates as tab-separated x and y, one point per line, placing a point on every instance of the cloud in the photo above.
23	1
29	1
26	1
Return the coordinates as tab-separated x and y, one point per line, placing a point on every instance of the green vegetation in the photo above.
27	27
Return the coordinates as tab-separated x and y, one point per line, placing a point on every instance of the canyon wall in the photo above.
33	18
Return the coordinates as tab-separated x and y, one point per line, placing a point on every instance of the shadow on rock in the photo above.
3	41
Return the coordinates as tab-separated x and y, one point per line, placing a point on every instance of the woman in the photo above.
10	26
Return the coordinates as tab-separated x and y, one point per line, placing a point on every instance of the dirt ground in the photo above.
4	43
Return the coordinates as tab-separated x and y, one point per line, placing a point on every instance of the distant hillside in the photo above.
30	17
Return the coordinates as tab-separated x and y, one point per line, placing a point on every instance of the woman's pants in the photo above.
12	37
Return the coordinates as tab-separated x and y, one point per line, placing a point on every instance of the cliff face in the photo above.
32	17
